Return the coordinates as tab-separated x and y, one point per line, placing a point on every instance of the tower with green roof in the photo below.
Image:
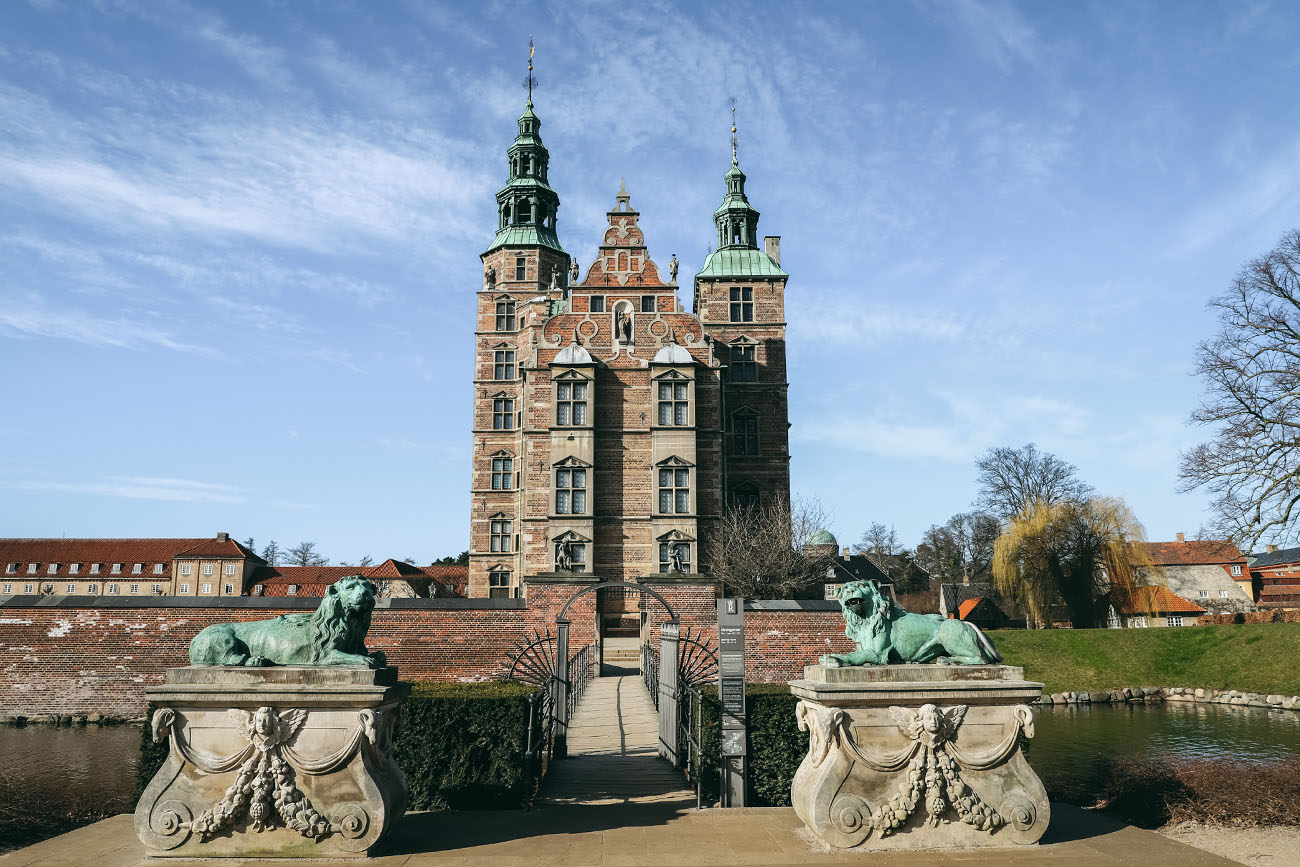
740	301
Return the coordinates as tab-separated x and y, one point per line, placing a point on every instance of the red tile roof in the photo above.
964	609
128	552
315	580
1194	553
220	548
1160	600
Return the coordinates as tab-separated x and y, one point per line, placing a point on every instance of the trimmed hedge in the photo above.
776	746
461	746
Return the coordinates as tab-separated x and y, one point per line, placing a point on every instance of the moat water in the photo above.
99	763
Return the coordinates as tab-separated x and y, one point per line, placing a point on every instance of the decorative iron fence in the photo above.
650	671
697	666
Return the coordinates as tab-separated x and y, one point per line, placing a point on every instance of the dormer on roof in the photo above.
673	353
573	355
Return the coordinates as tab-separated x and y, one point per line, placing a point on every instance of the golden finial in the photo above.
530	82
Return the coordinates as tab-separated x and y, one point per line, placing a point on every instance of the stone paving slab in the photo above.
647	835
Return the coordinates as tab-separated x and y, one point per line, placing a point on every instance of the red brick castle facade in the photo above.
611	426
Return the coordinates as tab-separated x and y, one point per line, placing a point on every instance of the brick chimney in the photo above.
846	553
772	244
225	537
1269	549
1180	537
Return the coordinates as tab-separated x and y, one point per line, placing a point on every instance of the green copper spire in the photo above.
526	205
736	218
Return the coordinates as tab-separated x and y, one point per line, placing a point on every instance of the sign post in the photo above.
731	687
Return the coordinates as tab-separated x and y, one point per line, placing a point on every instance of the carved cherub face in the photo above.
931	719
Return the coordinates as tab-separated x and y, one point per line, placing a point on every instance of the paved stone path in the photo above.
613	751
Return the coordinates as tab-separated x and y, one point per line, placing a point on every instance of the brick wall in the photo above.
80	655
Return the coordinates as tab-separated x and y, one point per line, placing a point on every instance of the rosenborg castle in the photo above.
611	425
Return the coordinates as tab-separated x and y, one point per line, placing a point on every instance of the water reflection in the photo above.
77	763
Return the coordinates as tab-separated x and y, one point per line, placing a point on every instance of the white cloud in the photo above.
28	317
147	488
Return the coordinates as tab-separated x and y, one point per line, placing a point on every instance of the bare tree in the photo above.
1251	370
272	553
762	552
305	554
1013	481
365	561
879	540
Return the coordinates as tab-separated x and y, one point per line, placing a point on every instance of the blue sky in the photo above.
239	242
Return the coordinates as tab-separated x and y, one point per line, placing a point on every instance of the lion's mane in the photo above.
336	626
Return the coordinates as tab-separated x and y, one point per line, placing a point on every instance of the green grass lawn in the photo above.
1249	657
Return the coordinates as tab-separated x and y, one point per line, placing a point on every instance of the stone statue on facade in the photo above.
555	279
672	268
884	633
490	277
574	273
333	634
676	563
623	324
563	557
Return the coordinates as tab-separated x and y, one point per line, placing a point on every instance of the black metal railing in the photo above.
580	665
689	735
696	667
534	663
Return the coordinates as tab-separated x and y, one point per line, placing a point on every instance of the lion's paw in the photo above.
830	660
257	662
377	659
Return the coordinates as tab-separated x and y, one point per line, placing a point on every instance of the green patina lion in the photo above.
333	634
886	633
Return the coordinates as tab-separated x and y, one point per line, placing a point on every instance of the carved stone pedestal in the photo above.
280	762
918	757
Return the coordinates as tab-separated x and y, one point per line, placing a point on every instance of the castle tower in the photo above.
525	272
740	302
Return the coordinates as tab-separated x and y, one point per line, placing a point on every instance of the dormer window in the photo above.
117	568
293	589
52	569
32	567
137	569
11	569
94	568
157	568
1236	568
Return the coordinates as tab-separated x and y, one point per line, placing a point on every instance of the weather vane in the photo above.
530	82
733	130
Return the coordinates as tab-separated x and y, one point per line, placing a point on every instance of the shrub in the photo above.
461	746
775	746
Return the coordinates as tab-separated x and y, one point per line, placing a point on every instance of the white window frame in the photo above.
230	569
155	589
117	568
137	569
74	568
11	569
1236	569
1223	594
52	569
95	567
33	568
1175	620
207	590
157	568
293	590
28	589
230	589
8	589
185	568
185	589
112	589
92	589
133	589
72	588
1204	594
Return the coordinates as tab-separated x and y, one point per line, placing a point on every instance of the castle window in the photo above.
207	589
500	537
622	261
674	490
499	584
506	315
503	364
117	568
185	588
1223	594
666	551
744	435
647	304
8	589
230	589
112	589
570	491
32	567
571	403
743	366
742	304
155	589
135	588
672	403
293	589
744	498
29	589
503	413
207	568
502	473
597	303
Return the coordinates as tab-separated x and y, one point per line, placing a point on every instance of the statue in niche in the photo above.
672	268
623	324
555	279
573	271
490	277
563	556
676	563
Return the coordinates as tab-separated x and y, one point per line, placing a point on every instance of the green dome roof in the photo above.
823	537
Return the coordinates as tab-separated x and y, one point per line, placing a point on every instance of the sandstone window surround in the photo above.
744	433
675	541
572	479
571	396
503	412
742	304
569	550
647	304
503	364
674	395
500	531
503	471
744	496
521	263
744	360
505	316
499	584
674	484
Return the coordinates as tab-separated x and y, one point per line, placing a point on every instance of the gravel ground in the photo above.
1269	846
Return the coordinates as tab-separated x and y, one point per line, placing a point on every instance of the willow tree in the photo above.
1084	553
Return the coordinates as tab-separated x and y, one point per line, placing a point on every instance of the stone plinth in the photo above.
918	757
277	762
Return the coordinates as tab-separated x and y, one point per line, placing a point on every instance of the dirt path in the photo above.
1275	846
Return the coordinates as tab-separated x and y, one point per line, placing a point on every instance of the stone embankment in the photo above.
1149	694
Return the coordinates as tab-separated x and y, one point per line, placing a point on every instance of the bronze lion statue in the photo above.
884	632
333	634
